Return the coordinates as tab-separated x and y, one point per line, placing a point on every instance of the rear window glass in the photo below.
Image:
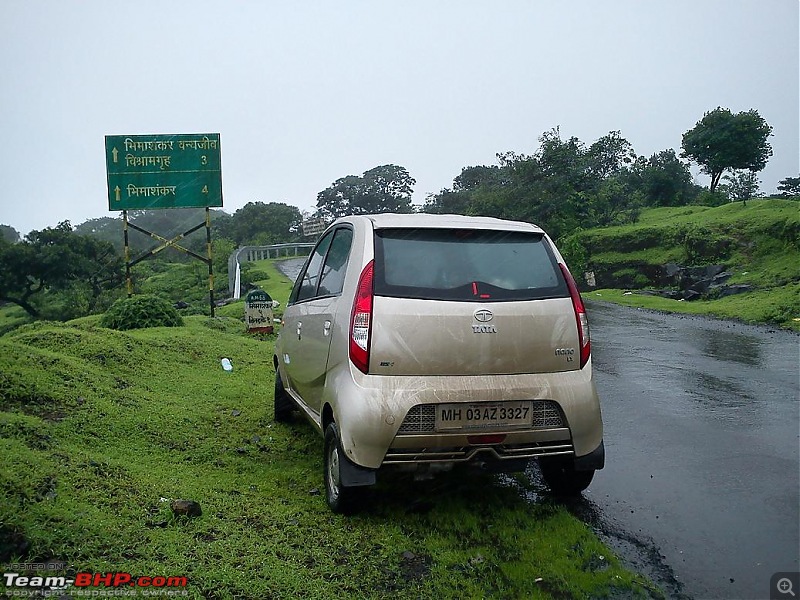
465	264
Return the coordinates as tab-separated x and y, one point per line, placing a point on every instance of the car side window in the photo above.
333	270
306	286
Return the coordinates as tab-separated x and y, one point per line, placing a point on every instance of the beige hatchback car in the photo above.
422	341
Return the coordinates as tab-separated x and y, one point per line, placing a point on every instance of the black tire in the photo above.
561	477
340	499
284	405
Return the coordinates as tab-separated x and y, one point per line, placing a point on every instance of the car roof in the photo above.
424	220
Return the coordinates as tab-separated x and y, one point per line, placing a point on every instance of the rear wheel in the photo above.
341	499
283	402
561	477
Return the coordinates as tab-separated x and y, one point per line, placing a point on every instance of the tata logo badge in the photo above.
483	315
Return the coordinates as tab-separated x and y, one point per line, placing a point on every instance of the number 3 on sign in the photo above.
205	189
204	160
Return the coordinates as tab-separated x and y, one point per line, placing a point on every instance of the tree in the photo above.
789	187
609	155
663	179
260	224
55	259
741	185
723	141
562	186
473	177
9	234
386	188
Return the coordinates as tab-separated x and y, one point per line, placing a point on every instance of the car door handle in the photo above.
299	327
326	328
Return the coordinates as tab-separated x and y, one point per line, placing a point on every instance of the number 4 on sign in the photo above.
205	189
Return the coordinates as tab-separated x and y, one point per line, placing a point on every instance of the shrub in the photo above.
140	312
574	253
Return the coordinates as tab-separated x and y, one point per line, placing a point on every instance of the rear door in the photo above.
311	316
469	302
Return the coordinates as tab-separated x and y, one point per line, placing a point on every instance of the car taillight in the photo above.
580	315
361	320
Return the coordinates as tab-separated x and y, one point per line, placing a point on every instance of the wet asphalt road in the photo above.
701	489
702	436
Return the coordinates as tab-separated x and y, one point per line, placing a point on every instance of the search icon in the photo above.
784	586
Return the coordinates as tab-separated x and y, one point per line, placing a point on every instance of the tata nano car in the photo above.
422	341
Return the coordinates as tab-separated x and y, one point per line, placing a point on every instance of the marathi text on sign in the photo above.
163	171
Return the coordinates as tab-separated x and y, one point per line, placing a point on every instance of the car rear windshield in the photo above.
465	264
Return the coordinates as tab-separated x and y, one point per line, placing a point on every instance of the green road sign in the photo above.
163	171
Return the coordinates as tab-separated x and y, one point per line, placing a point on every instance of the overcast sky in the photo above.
303	93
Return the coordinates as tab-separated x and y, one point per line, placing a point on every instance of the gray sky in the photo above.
303	93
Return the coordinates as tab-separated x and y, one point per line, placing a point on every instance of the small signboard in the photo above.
313	227
258	312
163	171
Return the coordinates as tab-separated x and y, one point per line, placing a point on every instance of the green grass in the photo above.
269	279
777	305
275	283
100	429
11	317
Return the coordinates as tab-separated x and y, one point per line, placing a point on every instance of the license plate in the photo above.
483	415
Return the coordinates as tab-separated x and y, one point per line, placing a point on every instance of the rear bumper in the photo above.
456	448
370	411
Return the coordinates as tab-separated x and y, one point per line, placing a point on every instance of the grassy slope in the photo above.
97	427
762	249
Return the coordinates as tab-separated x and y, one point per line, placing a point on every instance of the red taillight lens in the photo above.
580	315
361	320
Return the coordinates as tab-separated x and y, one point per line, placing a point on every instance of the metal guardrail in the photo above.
251	253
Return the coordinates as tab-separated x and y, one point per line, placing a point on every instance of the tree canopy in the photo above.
566	185
740	185
260	224
789	187
723	141
382	189
56	259
9	234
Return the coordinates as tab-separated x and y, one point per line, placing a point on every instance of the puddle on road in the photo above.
729	346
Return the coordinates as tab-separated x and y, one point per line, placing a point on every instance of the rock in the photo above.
187	508
313	492
701	287
235	413
672	269
408	555
721	278
180	304
730	290
689	295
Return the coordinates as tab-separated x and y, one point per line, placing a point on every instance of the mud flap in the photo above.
596	459
353	475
